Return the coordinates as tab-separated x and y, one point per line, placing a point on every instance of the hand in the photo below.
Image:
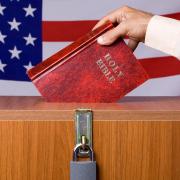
131	22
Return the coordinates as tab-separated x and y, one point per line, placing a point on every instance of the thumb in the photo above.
112	35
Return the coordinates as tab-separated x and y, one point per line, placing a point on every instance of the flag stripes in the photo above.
161	66
56	31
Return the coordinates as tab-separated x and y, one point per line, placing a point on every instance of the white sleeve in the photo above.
164	34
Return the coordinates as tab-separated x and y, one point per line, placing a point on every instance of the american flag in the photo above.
32	30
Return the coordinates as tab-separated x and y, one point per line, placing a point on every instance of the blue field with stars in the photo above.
20	37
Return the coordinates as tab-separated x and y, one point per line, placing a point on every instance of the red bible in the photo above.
85	71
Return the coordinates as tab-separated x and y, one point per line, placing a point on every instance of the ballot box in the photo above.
136	138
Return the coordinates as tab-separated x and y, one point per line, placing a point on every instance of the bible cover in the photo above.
85	71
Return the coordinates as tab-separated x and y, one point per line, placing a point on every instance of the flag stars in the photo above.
20	32
29	11
2	66
2	37
29	66
30	40
14	24
2	9
15	53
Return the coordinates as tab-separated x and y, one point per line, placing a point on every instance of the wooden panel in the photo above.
124	150
132	141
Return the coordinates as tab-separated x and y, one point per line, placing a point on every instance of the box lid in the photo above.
128	109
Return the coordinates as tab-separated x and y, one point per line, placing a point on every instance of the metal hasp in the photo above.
83	131
80	167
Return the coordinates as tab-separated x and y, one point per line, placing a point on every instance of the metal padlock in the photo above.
83	170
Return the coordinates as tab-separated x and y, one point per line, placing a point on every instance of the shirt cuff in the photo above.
164	34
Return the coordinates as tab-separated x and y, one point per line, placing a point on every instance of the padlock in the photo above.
83	170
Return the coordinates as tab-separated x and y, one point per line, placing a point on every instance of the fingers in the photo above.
112	35
133	44
101	22
110	17
114	16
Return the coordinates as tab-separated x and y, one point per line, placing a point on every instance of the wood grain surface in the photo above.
146	147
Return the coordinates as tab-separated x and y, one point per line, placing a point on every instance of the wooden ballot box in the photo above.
135	139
